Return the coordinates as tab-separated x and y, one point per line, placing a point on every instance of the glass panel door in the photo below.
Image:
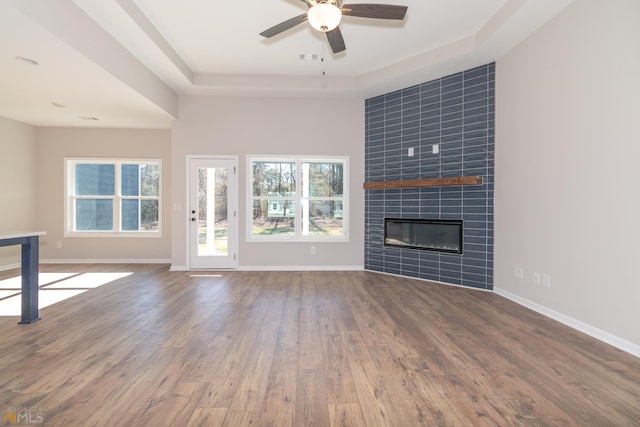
213	219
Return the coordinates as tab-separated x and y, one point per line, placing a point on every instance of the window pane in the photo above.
325	179
212	211
325	219
298	197
150	180
149	215
139	215
273	218
94	214
129	180
274	178
95	180
130	214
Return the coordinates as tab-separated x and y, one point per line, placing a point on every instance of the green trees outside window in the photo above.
298	198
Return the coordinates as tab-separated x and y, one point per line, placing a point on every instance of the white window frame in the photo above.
298	199
70	197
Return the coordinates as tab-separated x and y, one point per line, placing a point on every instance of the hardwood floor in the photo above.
160	348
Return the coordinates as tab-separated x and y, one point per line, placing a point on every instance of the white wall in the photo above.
272	126
54	144
17	184
567	162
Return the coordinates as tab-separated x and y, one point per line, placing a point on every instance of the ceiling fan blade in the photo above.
284	26
371	10
336	41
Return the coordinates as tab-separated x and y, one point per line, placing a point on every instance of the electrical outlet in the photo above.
518	273
313	250
536	277
59	244
546	280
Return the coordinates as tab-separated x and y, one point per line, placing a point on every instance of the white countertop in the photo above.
19	234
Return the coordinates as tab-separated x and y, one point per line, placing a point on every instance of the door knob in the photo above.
193	219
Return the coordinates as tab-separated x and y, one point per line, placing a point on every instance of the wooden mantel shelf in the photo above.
429	182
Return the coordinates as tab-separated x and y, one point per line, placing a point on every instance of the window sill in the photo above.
110	234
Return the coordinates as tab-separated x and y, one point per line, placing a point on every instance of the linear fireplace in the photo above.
440	235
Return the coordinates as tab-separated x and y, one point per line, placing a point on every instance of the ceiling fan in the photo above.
325	16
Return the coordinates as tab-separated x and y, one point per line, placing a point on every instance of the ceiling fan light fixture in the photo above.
324	17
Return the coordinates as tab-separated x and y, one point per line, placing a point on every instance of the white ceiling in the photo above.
126	62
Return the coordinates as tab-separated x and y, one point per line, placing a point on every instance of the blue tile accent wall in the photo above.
457	113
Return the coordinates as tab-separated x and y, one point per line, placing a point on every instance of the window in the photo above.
297	199
106	197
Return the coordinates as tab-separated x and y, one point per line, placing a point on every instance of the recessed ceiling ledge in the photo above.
274	82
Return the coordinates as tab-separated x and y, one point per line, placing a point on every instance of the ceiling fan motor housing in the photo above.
324	15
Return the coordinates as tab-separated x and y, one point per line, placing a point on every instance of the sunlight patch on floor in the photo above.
54	287
43	279
87	281
6	293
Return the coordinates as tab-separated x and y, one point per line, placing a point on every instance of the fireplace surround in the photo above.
457	113
439	235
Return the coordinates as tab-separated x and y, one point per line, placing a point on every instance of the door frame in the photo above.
233	205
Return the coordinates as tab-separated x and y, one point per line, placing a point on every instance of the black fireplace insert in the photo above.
440	235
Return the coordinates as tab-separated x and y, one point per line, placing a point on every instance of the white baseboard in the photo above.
592	331
185	268
105	261
278	268
275	268
300	268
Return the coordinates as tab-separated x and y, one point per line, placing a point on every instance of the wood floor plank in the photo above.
220	392
369	382
241	418
280	348
312	407
345	415
341	307
378	322
310	348
207	417
175	408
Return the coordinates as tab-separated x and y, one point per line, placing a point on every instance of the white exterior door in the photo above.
213	219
